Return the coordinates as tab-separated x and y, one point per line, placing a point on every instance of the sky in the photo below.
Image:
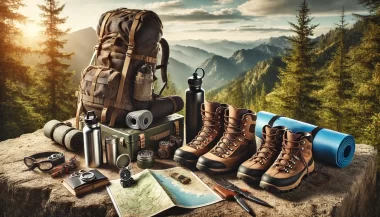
234	20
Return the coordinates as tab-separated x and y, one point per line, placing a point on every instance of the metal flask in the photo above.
92	138
194	98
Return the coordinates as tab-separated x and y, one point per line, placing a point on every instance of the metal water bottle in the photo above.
194	98
93	150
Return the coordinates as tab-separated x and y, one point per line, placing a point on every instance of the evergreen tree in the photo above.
16	114
263	101
367	69
56	88
294	96
337	92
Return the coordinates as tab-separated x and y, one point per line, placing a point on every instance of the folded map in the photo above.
156	191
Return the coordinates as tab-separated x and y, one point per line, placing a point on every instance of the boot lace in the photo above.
230	136
271	149
295	155
207	128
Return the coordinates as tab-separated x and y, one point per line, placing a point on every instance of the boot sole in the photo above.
184	162
212	171
283	189
247	178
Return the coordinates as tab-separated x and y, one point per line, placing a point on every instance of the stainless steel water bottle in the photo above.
93	150
194	98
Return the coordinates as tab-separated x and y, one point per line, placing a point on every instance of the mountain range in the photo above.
185	57
266	72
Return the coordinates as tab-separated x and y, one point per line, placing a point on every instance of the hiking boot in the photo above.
237	144
293	163
259	163
208	136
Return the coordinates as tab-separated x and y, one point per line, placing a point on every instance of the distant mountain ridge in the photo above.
191	56
220	70
223	48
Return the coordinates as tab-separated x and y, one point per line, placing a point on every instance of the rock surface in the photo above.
351	191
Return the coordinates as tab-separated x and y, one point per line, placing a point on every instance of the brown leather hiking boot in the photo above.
208	136
259	163
237	144
293	163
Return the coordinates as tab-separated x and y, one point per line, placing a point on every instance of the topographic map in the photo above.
156	191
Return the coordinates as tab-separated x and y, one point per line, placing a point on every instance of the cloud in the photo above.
255	29
224	1
290	7
201	15
248	28
169	5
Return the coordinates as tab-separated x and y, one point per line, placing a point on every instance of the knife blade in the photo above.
244	205
229	186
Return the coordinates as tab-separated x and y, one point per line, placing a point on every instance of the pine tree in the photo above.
16	114
263	101
294	96
367	69
337	92
56	87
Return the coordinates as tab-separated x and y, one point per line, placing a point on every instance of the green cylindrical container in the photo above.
145	159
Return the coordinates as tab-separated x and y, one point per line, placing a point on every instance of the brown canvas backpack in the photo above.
112	85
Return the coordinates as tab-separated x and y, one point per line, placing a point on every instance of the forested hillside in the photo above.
331	80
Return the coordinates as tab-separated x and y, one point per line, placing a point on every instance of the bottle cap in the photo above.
195	80
90	118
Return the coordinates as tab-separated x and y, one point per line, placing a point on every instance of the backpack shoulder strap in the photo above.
164	63
131	45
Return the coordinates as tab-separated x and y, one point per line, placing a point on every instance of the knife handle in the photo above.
226	194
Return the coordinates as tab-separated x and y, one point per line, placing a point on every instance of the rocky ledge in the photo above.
351	191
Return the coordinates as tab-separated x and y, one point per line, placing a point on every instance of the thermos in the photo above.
92	138
111	150
194	98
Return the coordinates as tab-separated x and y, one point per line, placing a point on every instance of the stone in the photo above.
351	191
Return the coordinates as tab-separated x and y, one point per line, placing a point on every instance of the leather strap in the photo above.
79	111
93	85
147	59
103	116
273	119
315	131
131	45
105	20
164	64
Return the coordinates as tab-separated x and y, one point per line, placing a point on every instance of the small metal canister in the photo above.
111	149
145	159
166	149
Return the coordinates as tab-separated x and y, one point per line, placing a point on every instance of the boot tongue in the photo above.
290	137
210	108
270	135
235	116
269	131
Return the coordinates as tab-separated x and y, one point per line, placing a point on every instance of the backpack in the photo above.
121	73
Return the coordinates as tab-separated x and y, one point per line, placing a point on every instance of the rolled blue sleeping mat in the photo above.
329	147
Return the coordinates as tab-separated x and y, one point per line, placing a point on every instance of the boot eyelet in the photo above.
243	133
227	152
302	148
240	139
303	142
246	119
245	124
235	145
